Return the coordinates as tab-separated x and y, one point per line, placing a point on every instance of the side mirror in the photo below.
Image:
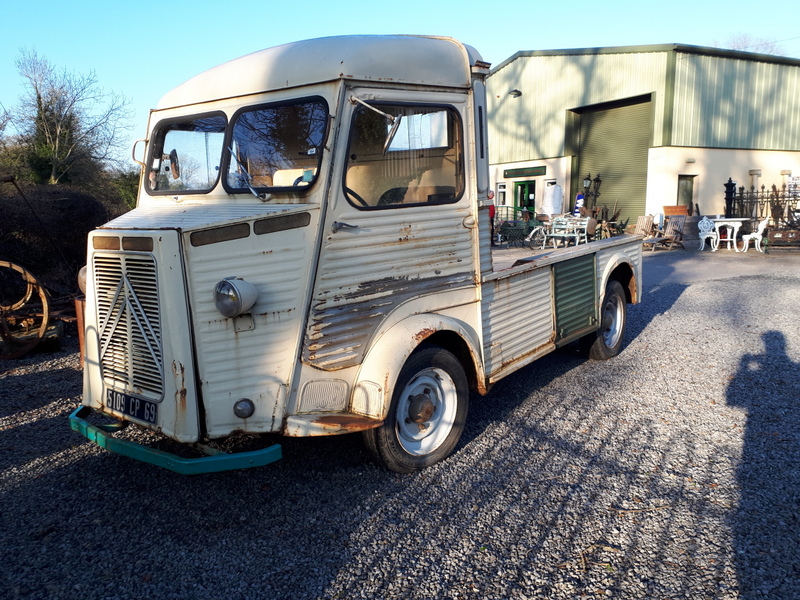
174	165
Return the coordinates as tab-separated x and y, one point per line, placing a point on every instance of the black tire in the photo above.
606	342
427	413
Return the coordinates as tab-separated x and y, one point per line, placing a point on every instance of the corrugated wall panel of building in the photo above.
730	103
532	126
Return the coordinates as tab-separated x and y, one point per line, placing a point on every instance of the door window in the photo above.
417	158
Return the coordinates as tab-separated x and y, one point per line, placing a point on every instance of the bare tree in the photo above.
5	119
66	119
748	43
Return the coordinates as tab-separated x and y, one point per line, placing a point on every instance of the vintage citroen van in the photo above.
310	255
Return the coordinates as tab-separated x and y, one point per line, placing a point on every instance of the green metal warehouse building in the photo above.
661	125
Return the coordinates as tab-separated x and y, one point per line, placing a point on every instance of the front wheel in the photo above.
427	413
606	342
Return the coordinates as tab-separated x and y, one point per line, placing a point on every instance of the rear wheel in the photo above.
427	413
606	342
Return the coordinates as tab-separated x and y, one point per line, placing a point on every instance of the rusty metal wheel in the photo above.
427	414
24	311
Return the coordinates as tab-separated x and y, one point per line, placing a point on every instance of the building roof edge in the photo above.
678	48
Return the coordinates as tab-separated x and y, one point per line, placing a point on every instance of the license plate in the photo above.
138	408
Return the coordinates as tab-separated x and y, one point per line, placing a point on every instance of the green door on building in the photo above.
525	196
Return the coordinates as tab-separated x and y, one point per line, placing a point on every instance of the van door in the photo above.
398	237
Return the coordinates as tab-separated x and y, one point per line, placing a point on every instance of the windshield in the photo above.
277	146
186	154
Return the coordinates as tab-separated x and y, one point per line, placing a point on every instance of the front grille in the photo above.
129	323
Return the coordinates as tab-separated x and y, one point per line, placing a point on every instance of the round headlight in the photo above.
82	280
234	296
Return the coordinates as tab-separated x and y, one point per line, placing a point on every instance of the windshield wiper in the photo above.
249	179
394	120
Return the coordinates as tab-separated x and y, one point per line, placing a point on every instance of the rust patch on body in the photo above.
423	335
347	423
180	393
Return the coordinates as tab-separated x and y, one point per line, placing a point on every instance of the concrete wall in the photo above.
712	169
556	168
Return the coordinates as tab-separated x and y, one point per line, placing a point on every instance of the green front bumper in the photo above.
214	462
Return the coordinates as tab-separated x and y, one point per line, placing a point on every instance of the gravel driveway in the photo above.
672	471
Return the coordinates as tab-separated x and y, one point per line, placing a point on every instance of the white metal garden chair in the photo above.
756	236
707	232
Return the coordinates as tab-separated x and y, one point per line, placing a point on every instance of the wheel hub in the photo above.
421	408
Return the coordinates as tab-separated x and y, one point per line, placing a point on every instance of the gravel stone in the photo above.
671	471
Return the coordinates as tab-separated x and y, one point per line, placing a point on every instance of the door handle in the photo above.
337	226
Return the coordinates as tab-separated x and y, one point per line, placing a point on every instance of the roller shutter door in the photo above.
614	143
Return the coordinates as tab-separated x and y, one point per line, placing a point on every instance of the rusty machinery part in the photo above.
24	311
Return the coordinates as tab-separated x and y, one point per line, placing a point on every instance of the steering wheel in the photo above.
358	198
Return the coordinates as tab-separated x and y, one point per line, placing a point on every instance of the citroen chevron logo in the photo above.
127	319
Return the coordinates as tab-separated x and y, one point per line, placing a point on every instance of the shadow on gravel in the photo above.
132	530
508	393
766	525
656	300
21	392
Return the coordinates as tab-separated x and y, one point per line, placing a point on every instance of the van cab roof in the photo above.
371	58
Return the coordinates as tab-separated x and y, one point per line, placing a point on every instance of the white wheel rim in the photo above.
433	390
612	321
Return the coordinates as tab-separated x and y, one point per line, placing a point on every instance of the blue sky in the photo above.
143	49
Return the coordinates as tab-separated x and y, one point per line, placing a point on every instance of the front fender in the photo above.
382	364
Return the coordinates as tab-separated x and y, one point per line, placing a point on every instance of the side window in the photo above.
277	146
186	154
422	164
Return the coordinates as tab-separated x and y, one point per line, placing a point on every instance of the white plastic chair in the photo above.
707	232
756	236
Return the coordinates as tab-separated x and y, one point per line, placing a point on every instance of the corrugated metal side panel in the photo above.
517	316
532	126
367	272
729	103
575	296
253	363
485	245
